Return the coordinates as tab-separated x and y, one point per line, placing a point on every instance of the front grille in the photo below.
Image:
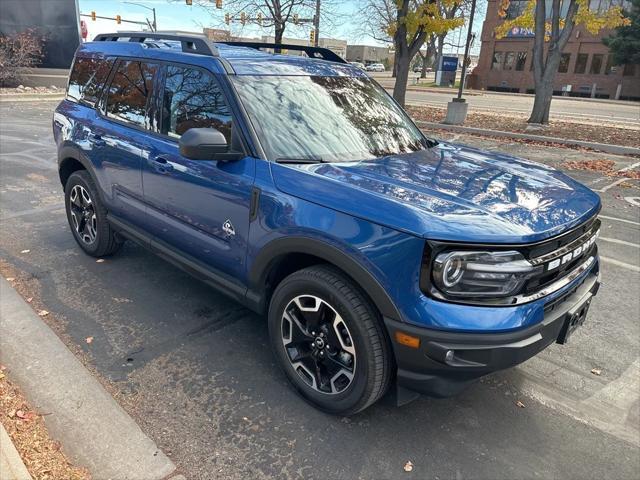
558	249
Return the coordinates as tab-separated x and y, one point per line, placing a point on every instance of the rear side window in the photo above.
193	99
130	88
87	79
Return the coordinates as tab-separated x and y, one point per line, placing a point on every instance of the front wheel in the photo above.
329	340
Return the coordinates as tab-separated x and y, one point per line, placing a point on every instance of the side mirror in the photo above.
203	144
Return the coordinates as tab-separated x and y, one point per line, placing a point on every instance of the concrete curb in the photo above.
11	465
95	431
603	147
31	97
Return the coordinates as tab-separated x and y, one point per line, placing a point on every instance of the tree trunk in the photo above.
394	70
279	33
541	103
439	50
402	76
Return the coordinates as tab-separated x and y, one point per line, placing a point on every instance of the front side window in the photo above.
130	88
329	119
87	79
193	99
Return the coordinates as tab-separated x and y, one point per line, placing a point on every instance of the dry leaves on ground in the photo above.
520	404
408	466
41	454
613	135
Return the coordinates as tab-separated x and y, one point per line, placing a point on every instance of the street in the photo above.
195	371
562	108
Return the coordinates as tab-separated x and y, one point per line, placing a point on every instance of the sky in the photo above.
176	15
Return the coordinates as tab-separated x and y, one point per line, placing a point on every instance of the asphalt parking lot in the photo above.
195	371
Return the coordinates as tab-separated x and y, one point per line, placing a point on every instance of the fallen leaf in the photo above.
30	299
25	415
10	279
12	413
1	376
25	251
596	371
408	466
89	339
100	260
520	404
43	313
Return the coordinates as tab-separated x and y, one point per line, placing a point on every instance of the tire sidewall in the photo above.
82	178
352	395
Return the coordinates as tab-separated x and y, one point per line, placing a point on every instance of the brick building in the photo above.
585	69
368	54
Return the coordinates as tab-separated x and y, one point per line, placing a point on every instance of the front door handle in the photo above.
97	140
161	165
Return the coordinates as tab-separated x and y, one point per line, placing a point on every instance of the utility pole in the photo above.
154	25
316	24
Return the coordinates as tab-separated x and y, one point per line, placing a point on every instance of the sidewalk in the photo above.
94	430
11	465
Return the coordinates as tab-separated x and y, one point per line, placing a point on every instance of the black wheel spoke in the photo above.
318	344
83	214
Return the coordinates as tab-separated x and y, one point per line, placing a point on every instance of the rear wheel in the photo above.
88	217
329	340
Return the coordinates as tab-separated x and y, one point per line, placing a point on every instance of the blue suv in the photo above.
384	260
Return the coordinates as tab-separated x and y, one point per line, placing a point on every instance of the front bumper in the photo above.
446	362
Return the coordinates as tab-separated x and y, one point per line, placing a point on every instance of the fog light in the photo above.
407	340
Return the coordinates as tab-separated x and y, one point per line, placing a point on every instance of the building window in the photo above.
596	64
609	67
521	60
629	69
581	63
498	59
563	67
509	60
516	8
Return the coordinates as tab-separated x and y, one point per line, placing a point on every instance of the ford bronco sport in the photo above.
384	260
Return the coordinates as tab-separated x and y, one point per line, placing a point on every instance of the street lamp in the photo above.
154	25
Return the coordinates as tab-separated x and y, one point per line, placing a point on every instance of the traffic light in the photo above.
93	16
218	3
296	19
312	36
118	19
259	18
227	18
243	18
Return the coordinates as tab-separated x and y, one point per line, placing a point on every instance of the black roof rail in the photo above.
195	43
312	52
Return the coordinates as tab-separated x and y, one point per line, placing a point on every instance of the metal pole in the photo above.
155	25
316	24
466	49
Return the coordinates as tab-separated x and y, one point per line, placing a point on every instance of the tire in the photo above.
92	232
357	359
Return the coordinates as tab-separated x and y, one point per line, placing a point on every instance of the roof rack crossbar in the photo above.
190	43
312	52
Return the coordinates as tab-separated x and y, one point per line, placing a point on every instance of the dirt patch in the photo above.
627	137
604	166
41	454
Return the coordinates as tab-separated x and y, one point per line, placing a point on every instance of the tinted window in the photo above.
509	60
498	60
581	63
563	66
129	90
521	60
326	118
193	99
596	64
87	79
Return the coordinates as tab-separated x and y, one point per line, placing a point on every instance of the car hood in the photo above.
448	192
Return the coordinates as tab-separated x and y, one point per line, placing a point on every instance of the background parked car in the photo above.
375	67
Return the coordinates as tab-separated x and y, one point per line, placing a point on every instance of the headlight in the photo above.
464	274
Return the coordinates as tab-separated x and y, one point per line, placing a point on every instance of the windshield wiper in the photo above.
300	160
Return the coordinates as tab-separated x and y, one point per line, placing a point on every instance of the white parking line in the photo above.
611	185
616	219
620	264
621	242
630	167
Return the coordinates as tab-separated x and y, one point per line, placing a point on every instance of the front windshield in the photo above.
330	119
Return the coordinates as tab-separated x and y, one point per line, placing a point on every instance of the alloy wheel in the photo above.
83	214
318	344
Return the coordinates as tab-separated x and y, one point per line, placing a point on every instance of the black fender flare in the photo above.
270	253
71	151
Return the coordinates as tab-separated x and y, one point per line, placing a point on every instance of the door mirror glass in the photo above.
203	144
